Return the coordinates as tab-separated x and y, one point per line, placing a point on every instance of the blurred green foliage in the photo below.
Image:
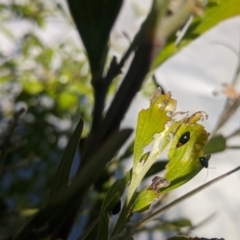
52	84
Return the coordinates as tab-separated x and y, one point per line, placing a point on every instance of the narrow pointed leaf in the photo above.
65	203
112	197
62	175
94	20
215	12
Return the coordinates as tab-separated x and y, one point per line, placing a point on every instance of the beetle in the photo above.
117	208
183	139
204	160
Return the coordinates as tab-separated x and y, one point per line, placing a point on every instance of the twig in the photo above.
130	228
230	106
184	197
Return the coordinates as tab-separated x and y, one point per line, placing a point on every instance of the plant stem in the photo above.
189	194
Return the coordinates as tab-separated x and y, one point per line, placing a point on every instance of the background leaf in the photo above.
215	12
112	197
67	201
62	175
216	144
94	20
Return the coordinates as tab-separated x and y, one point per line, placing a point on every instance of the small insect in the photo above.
117	208
204	160
183	139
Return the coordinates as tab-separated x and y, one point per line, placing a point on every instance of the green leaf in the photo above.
216	144
184	161
151	121
64	204
62	175
112	197
94	20
215	12
175	225
181	222
145	199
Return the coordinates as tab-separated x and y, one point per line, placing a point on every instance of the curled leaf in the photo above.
184	157
151	121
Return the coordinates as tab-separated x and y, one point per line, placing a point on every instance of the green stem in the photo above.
137	177
184	197
132	227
